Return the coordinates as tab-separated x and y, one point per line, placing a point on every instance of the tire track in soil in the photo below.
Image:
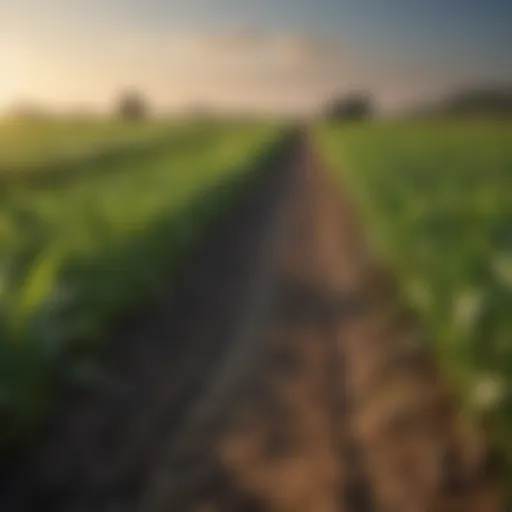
289	377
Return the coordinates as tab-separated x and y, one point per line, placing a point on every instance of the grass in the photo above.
75	256
437	199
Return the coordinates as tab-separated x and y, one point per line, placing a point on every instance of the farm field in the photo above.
35	153
436	199
78	251
256	354
28	143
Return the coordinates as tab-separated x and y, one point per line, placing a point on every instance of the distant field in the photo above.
437	200
74	256
26	143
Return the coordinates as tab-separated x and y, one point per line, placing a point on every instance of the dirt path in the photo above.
284	376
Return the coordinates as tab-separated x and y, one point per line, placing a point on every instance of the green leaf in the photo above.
38	286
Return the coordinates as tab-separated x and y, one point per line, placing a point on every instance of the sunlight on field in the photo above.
8	91
31	142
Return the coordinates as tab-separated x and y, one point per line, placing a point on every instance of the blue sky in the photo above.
400	48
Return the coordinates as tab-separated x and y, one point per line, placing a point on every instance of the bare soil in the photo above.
284	374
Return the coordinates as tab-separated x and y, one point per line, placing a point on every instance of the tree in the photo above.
355	106
132	107
493	101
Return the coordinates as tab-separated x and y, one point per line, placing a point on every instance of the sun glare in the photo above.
7	92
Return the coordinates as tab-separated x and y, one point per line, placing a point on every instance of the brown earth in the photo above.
285	374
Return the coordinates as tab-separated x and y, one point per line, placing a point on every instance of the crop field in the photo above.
98	224
184	308
436	198
80	249
32	143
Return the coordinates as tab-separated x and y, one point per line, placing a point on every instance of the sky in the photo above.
275	55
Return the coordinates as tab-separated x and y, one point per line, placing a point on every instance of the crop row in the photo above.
437	201
74	256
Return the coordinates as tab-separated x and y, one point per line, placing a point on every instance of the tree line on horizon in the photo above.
134	106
